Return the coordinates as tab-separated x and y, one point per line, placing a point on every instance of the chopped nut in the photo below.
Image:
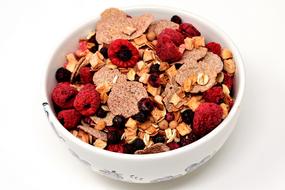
183	129
229	66
198	41
163	124
151	36
140	40
202	79
151	130
173	124
188	83
148	55
158	114
131	123
104	88
226	54
163	66
152	90
194	102
150	45
141	65
100	144
225	109
130	135
220	77
155	148
131	74
71	62
170	134
75	133
226	89
100	125
129	30
96	60
144	78
171	72
189	44
83	136
146	139
158	99
175	99
145	125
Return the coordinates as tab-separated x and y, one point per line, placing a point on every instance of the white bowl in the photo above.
154	167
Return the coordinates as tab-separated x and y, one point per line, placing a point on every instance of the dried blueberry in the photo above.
62	75
176	19
187	116
101	113
145	105
140	117
138	144
154	68
178	65
158	139
129	149
119	121
113	137
104	52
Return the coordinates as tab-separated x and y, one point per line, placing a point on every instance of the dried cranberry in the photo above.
173	145
187	116
154	80
188	30
176	19
145	105
62	75
169	116
116	148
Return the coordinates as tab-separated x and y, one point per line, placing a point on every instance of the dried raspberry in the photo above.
214	95
86	75
116	148
169	116
69	118
207	117
63	95
188	30
154	80
214	47
176	37
176	19
167	51
188	139
228	80
87	100
173	145
62	75
123	54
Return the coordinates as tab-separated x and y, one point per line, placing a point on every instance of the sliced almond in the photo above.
175	99
194	102
158	114
148	55
152	90
71	62
131	123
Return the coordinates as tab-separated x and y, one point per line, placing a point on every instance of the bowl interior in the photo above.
207	29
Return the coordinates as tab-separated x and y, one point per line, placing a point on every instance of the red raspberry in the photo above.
228	80
188	30
167	51
86	75
214	47
87	100
116	148
176	37
63	95
207	117
173	145
123	54
69	118
214	94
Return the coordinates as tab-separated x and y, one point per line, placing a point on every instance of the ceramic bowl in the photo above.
153	167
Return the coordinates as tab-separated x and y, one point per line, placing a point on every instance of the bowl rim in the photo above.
181	150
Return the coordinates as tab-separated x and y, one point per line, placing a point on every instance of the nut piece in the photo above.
171	72
129	30
100	144
151	36
226	90
170	134
189	43
71	62
173	124
144	78
130	135
220	77
163	124
158	99
175	99
194	102
198	41
225	109
140	40
226	54
148	55
189	82
131	123
95	133
96	60
202	79
152	90
183	129
141	65
229	66
158	114
131	74
100	125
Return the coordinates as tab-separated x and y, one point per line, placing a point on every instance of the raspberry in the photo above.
145	105
228	80
62	75
123	54
173	145
119	121
87	100
176	19
188	139
63	95
140	117
86	75
206	118
214	47
154	80
69	118
187	116
188	30
167	51
169	116
116	148
176	37
214	95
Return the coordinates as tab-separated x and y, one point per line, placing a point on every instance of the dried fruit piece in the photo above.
214	47
63	95
226	54
188	30
62	75
229	66
176	19
214	95
95	133
69	118
187	116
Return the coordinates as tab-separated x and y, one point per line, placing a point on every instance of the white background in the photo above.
31	157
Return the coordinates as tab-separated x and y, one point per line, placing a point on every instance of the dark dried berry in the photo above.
173	145
138	144
188	30
176	19
104	52
188	139
113	137
101	113
137	78
187	116
88	120
154	68
154	80
62	75
169	116
158	139
140	117
93	40
119	121
93	49
129	149
178	65
145	105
